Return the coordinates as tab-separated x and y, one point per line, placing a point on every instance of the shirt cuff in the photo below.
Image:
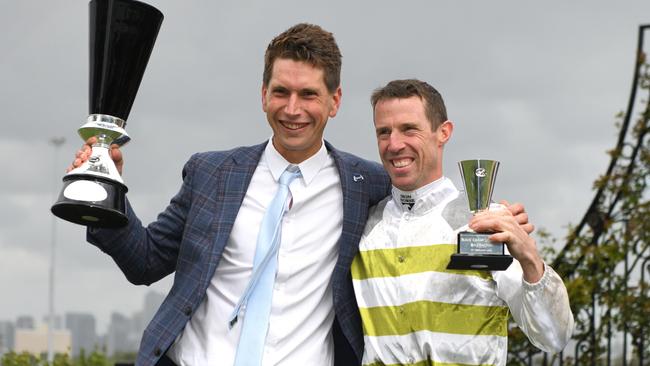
546	277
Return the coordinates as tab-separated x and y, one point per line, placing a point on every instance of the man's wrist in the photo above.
533	269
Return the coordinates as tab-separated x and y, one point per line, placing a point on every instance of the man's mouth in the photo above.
401	163
292	125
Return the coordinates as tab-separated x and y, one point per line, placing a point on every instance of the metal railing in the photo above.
606	260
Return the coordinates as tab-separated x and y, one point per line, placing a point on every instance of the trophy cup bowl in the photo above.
476	250
122	36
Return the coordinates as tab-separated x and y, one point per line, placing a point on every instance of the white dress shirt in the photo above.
302	308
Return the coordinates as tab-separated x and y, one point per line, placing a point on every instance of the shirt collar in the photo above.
309	168
424	198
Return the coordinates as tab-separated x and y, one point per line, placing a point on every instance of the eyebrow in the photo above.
409	125
308	91
278	88
382	129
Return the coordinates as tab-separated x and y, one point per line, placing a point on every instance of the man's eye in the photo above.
383	132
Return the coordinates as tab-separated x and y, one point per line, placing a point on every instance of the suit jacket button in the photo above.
157	352
187	310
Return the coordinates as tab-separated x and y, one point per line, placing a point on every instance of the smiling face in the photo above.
297	106
410	150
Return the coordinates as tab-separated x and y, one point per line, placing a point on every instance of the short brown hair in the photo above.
308	43
434	106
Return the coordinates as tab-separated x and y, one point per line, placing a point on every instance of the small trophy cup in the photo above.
475	250
122	36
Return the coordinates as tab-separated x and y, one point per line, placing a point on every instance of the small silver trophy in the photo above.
476	250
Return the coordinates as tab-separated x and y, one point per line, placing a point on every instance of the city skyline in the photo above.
122	334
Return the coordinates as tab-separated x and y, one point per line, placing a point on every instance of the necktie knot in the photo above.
292	172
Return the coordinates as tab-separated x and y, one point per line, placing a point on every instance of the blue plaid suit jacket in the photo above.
188	238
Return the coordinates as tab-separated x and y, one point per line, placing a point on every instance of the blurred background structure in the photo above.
605	260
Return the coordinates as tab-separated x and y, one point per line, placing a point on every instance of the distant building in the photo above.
152	301
7	336
83	332
124	333
119	337
141	319
58	323
25	322
35	340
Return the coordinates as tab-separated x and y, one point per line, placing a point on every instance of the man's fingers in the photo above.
83	153
492	213
516	208
502	237
86	150
492	223
118	159
489	218
76	162
522	218
499	223
528	228
116	153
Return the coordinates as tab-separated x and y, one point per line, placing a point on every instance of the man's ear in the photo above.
445	131
264	89
336	102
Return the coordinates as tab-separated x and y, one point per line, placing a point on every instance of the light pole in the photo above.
56	142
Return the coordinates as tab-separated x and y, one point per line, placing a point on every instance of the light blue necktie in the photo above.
259	292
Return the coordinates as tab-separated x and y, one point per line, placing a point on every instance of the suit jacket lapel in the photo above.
230	184
355	211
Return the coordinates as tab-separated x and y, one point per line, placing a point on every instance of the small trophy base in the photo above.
476	251
487	262
92	201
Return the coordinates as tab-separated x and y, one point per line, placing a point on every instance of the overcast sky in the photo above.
535	85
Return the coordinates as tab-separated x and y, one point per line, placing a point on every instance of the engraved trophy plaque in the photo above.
475	250
122	36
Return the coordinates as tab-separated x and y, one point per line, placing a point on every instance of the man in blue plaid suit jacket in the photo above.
301	78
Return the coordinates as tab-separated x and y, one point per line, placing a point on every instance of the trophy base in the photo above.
92	201
488	262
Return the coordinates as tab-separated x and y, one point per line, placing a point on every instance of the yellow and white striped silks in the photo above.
415	311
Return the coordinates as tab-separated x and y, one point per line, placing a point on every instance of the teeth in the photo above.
401	163
292	126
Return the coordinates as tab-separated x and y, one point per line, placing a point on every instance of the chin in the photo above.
402	186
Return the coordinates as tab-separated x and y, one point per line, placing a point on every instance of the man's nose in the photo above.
293	105
395	142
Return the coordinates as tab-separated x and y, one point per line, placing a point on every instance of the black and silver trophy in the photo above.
475	250
122	36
